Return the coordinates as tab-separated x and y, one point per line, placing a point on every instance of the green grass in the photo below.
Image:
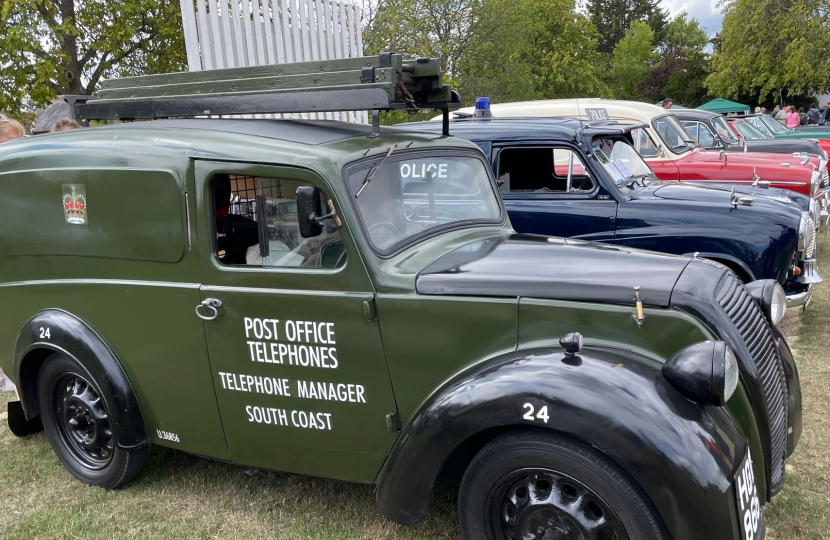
801	509
185	497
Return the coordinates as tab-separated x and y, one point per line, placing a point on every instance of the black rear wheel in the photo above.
533	485
78	426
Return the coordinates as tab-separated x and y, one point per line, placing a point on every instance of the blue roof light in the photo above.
483	106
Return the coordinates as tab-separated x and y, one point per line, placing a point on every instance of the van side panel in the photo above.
118	213
130	271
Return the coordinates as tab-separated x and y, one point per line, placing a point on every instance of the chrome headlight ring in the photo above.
815	182
802	234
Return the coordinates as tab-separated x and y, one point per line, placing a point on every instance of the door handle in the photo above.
211	305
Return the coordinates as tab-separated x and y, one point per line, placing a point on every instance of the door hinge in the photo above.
369	310
393	422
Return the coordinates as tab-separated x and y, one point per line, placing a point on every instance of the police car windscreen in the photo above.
408	197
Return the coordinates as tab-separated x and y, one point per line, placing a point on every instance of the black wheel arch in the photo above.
681	455
72	337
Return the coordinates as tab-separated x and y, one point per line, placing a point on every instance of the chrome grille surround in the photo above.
742	310
810	239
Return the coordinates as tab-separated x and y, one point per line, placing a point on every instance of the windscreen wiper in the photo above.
373	170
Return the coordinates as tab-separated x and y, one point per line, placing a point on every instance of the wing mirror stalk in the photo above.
309	210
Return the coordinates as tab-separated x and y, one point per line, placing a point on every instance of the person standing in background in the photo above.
780	114
11	129
812	115
791	117
65	124
667	103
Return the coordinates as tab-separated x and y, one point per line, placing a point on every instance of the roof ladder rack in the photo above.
368	83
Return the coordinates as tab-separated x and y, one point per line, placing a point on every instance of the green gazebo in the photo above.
723	106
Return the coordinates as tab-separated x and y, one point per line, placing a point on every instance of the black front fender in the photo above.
681	454
794	412
58	331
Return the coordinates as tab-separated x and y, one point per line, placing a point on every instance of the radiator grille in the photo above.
752	325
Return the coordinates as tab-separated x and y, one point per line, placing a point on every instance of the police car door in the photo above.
296	356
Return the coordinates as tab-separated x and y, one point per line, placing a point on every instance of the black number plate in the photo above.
750	515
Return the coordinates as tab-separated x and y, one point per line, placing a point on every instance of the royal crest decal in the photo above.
74	203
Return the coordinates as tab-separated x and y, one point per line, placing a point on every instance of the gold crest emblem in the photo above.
74	203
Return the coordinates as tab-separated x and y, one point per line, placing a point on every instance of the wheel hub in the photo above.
546	505
84	421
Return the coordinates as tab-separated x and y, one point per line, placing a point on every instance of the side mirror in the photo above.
308	211
503	183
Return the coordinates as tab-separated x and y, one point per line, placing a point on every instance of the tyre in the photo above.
528	484
77	424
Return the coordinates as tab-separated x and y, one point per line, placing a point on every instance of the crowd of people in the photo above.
11	129
792	117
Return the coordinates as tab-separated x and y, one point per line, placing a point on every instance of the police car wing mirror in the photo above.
309	210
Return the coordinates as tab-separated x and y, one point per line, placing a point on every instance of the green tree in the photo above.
438	28
633	58
771	47
613	18
542	49
53	47
508	50
680	69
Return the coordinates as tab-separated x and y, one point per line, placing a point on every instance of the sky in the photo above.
705	11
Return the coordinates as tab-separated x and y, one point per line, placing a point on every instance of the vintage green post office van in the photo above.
345	301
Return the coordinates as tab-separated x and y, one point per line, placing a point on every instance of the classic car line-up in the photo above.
353	301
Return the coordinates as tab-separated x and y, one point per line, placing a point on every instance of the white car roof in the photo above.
616	109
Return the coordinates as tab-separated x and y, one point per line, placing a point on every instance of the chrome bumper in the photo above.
800	299
809	276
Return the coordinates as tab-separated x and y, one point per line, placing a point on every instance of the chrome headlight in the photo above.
815	182
815	211
802	234
770	297
706	372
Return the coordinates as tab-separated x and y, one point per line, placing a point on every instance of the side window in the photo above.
643	143
700	132
256	226
543	170
706	138
692	128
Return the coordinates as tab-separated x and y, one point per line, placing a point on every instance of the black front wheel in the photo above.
534	485
78	426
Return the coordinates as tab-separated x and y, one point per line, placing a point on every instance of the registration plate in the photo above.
750	515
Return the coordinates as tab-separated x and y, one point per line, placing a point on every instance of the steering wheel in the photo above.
380	224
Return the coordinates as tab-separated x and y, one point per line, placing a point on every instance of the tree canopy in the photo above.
507	50
612	19
632	60
680	69
53	47
771	47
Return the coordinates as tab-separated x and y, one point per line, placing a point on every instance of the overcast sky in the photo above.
705	11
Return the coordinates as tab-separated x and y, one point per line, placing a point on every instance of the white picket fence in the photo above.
241	33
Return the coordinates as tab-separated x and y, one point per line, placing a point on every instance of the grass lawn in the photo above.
185	497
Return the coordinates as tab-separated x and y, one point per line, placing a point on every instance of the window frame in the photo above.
701	125
420	153
275	171
512	195
636	144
